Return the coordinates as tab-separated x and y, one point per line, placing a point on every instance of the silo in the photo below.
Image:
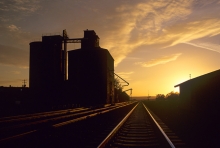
35	65
91	72
46	67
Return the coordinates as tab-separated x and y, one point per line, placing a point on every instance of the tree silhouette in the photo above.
172	96
160	97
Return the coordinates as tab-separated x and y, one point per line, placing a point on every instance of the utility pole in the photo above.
66	40
65	37
148	97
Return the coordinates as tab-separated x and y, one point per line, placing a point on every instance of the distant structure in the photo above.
90	70
201	92
13	99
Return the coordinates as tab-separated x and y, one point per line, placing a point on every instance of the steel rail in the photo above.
43	114
161	130
93	113
17	136
40	115
112	133
62	117
18	117
87	116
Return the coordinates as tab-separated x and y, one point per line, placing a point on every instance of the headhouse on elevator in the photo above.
87	77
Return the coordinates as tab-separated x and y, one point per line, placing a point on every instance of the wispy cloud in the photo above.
12	13
124	26
15	10
205	45
161	60
20	37
13	57
13	28
143	24
125	75
16	72
189	31
19	5
166	23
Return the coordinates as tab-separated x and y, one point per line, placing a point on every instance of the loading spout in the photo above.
122	79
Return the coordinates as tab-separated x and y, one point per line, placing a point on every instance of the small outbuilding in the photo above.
201	92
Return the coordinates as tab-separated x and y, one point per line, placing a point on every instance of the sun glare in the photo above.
176	89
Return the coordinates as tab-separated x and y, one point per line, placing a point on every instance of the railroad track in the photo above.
141	128
20	128
63	129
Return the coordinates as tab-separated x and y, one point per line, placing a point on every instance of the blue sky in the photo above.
156	44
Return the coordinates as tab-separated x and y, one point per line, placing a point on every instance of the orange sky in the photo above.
155	44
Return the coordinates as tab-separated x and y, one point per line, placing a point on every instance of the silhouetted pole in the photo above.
65	37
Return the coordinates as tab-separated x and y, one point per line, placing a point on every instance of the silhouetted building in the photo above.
90	40
12	100
46	66
91	72
201	92
13	94
46	62
35	65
